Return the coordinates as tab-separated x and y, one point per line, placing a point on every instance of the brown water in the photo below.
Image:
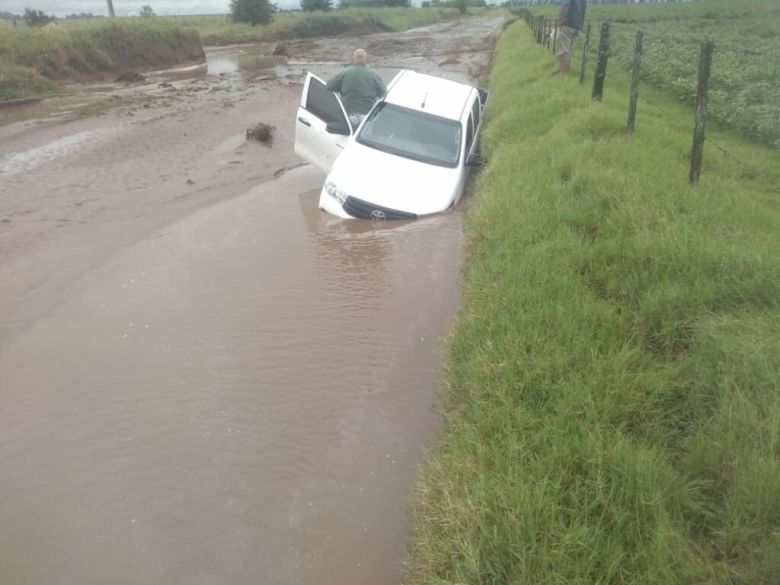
203	378
242	398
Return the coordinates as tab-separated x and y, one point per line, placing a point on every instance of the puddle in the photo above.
198	71
247	62
242	398
206	379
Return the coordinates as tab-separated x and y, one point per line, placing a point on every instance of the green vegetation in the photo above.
31	58
253	12
613	400
745	83
36	17
311	5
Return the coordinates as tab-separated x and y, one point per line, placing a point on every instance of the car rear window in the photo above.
412	134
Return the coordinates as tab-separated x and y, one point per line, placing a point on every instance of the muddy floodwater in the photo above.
203	378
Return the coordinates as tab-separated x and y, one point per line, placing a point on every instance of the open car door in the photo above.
484	97
322	127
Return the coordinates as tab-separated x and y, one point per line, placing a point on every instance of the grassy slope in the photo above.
613	410
30	58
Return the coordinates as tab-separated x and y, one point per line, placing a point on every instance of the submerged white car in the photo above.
409	157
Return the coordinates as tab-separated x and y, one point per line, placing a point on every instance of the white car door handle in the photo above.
304	121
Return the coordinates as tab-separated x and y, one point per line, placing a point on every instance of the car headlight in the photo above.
333	190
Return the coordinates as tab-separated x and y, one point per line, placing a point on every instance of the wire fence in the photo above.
608	44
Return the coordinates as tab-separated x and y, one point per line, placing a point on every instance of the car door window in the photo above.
475	113
469	133
323	103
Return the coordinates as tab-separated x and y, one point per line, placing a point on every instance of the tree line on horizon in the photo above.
253	12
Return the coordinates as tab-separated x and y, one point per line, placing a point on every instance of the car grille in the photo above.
365	210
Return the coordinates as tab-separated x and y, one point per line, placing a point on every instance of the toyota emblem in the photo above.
378	214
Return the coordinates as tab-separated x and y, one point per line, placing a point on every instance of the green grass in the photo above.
745	82
31	58
613	399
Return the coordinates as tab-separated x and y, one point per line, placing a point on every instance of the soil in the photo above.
130	77
261	132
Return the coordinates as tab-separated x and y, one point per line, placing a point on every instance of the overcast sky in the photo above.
126	7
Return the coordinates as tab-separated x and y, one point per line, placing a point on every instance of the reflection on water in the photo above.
360	251
242	398
252	62
198	71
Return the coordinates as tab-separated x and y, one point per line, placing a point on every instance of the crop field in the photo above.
745	84
613	393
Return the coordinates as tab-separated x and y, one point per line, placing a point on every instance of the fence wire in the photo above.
744	89
619	50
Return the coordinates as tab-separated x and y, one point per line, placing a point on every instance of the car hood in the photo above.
393	181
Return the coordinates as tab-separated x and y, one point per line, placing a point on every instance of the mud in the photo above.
261	132
204	379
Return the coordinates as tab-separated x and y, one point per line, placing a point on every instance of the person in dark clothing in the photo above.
359	87
570	20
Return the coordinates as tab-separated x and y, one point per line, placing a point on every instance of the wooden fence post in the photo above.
555	36
585	50
539	35
697	151
635	81
601	66
549	32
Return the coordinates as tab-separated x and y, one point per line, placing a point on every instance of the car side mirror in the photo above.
337	128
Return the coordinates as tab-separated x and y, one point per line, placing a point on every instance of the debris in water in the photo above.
130	77
280	50
261	132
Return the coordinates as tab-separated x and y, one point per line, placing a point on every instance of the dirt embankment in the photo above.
31	60
119	48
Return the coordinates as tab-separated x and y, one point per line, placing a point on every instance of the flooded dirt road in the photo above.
204	379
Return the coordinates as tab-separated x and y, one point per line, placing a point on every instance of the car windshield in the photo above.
412	134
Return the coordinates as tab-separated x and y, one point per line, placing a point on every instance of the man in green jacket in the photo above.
359	87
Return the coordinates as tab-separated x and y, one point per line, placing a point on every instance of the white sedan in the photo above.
409	157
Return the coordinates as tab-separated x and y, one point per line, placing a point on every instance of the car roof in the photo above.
430	94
